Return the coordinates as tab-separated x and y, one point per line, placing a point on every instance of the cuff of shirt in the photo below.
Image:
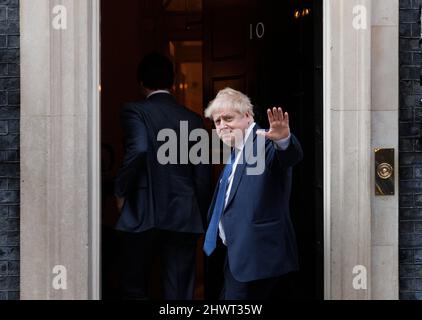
283	144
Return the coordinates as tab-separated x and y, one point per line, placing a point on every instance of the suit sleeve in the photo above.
291	156
202	178
136	146
202	175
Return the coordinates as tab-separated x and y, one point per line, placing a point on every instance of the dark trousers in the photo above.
177	252
254	290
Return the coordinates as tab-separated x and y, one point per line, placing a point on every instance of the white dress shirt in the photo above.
282	144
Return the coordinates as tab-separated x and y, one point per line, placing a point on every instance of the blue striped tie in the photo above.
211	236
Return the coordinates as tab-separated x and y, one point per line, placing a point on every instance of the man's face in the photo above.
231	126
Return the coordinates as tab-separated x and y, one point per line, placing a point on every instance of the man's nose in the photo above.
223	124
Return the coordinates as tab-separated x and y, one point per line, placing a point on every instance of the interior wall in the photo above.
120	54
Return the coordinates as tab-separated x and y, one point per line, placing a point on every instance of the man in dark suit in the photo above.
250	212
162	205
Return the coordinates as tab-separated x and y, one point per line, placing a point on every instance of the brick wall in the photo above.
9	149
410	152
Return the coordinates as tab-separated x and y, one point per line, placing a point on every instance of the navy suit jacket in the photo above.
260	238
168	197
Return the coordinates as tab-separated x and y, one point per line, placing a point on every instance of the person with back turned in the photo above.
162	206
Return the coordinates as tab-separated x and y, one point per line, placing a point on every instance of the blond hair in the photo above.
233	99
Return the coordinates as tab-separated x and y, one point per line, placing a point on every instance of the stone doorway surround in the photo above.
361	104
60	143
60	148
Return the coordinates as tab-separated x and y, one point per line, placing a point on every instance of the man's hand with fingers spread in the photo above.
279	125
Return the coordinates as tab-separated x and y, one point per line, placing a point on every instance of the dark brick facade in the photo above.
410	151
9	149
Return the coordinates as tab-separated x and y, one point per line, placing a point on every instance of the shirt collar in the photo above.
158	91
247	134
